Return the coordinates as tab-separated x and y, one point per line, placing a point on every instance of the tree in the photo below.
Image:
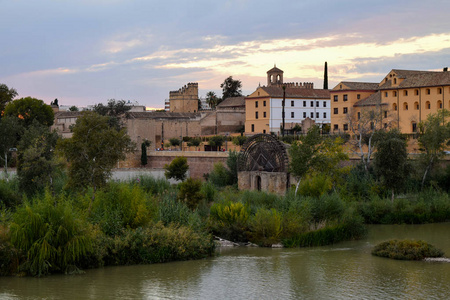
29	109
177	168
391	160
325	77
6	96
212	100
10	130
239	140
231	88
174	142
93	151
73	108
115	110
216	141
433	137
36	165
144	146
194	142
313	153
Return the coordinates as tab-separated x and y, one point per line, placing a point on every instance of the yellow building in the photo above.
185	100
263	108
401	100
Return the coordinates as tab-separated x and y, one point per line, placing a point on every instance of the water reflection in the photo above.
343	271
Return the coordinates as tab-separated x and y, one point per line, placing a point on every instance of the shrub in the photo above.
52	234
326	208
189	192
177	168
315	186
406	250
9	195
229	220
266	227
170	210
153	185
219	176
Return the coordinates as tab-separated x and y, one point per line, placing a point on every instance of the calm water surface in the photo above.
342	271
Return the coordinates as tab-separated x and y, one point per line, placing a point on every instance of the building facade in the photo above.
185	100
264	107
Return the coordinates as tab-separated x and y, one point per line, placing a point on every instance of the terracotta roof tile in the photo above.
372	100
232	102
277	92
352	85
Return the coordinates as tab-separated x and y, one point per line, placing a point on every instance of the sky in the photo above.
84	52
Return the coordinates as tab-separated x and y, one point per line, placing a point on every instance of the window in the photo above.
264	114
317	115
312	115
428	91
385	113
292	114
324	103
256	103
336	111
394	106
395	80
345	127
292	103
439	104
416	92
414	126
345	110
394	93
405	106
345	97
324	115
317	103
358	96
359	115
264	131
439	91
385	94
253	127
312	103
335	98
304	114
416	105
256	115
405	93
264	103
427	105
304	103
336	127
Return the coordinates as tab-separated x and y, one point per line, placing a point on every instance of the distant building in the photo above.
185	100
263	108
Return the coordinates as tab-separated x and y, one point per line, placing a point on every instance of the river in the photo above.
343	271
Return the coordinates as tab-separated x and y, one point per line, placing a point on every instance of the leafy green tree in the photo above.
29	109
36	165
216	141
391	160
433	137
177	168
231	88
144	146
239	140
232	164
73	108
313	153
115	110
10	130
190	192
174	142
93	151
194	142
6	96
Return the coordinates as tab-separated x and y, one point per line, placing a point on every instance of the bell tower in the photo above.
274	76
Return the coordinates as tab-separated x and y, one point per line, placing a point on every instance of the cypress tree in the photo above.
325	77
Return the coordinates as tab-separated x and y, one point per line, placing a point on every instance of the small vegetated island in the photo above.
406	250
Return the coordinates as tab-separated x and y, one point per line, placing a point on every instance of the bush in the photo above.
219	176
315	186
177	168
52	234
266	227
171	211
153	185
230	220
189	192
326	208
406	250
9	195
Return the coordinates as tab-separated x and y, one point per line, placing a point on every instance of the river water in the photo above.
343	271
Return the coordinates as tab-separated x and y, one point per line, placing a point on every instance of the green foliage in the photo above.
358	184
177	168
231	88
93	150
114	110
28	109
216	141
219	176
289	139
406	250
326	208
194	142
174	142
10	132
9	194
390	160
172	211
6	95
229	220
266	226
144	146
212	100
239	140
190	192
232	164
156	244
121	206
73	108
52	234
153	186
315	186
